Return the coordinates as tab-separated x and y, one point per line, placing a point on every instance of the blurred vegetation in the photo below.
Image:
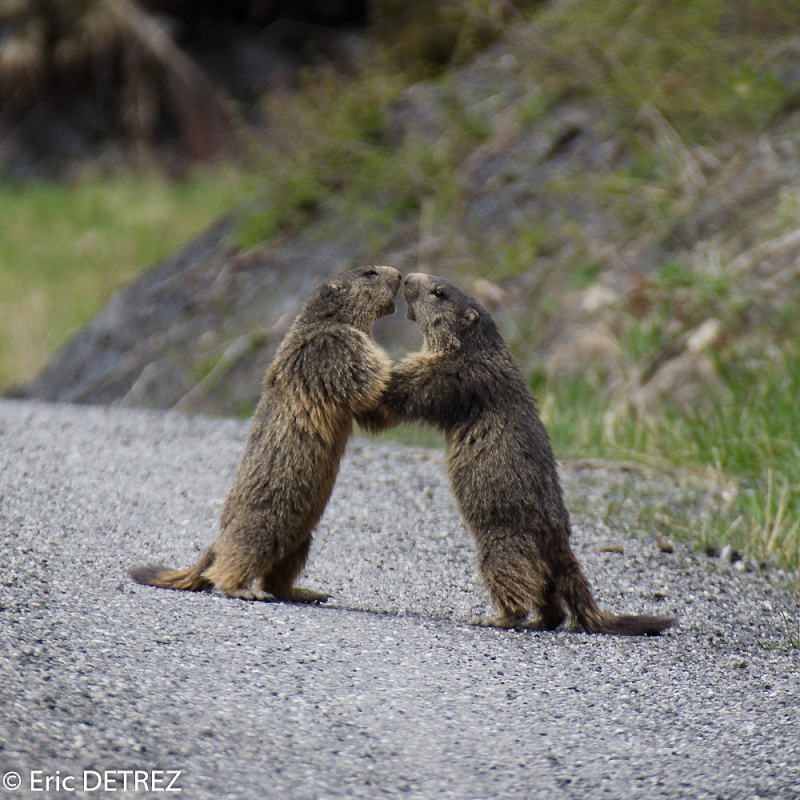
65	248
677	87
117	65
745	453
708	67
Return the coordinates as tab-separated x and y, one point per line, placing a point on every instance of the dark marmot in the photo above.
326	370
466	383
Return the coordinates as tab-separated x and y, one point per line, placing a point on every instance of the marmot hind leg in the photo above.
233	578
517	586
501	621
279	577
249	594
509	596
551	612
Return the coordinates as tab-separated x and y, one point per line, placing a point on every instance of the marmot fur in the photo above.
466	383
326	370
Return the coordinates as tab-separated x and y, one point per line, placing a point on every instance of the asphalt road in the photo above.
384	692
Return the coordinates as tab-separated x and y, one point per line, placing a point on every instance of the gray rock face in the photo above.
386	690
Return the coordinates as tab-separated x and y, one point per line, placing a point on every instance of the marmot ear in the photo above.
330	289
470	315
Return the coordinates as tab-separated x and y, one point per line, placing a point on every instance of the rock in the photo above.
730	554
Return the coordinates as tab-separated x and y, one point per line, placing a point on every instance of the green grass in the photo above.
704	65
746	449
64	249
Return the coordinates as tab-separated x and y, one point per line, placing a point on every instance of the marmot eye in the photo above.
370	272
437	292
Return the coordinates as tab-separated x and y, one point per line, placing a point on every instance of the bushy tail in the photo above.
578	596
188	580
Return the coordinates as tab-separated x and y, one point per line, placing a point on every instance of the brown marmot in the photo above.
466	383
326	370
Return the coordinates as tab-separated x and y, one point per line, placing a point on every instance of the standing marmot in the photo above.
466	383
327	369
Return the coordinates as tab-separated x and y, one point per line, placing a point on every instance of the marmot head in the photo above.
447	316
357	297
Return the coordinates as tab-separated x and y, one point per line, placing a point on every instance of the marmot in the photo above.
326	370
466	383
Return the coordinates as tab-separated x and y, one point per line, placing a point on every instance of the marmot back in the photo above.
326	370
502	469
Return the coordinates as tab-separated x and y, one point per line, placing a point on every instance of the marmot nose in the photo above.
411	283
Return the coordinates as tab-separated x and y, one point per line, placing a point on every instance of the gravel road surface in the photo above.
110	689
